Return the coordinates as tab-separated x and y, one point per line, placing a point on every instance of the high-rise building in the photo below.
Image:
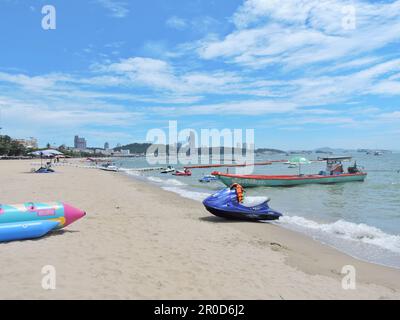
79	143
106	146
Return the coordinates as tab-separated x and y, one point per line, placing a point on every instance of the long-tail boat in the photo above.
334	174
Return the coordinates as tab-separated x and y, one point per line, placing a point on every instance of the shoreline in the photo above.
299	247
348	246
141	242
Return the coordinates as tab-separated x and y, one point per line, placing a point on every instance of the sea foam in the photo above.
155	179
194	195
166	182
348	231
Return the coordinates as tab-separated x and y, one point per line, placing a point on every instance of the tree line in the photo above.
11	147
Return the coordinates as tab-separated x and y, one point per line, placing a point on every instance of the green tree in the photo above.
10	147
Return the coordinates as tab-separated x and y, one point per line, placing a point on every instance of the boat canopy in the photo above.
336	158
334	164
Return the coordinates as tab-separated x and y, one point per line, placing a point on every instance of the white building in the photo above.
30	143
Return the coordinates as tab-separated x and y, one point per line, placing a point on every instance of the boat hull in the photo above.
182	174
286	181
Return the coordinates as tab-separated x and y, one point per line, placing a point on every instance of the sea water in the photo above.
359	218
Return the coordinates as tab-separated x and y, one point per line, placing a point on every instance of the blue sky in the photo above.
301	73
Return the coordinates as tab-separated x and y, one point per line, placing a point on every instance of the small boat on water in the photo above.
109	167
230	203
168	169
334	174
208	178
231	165
184	173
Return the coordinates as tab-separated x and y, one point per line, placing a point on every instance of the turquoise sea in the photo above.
359	218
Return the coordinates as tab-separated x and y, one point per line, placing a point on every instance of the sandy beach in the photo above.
140	242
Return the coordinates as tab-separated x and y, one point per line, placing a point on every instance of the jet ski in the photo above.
229	203
208	178
186	173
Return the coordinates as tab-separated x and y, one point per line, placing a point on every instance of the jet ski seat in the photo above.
253	201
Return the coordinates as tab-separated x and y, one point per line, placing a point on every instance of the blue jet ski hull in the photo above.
224	204
241	216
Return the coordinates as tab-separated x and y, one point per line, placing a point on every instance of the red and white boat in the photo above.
185	172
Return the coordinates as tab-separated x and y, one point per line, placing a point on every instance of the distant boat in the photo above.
208	178
168	170
109	167
333	174
297	162
185	173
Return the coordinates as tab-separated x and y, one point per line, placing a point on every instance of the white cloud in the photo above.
176	23
299	32
390	116
153	73
356	63
247	107
49	113
198	25
165	84
138	64
387	88
117	9
36	83
161	75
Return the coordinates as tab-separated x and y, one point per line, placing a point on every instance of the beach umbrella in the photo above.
299	161
47	153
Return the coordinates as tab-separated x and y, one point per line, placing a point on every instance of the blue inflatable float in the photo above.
25	230
32	220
